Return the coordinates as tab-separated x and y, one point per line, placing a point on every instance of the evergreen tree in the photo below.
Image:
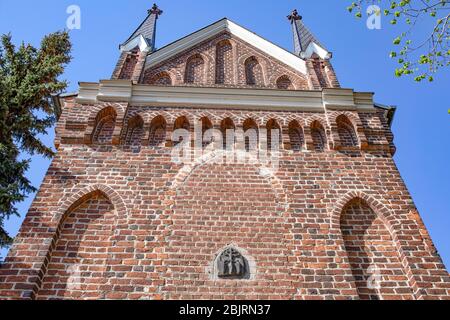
29	77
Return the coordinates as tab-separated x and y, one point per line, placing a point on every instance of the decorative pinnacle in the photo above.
294	16
155	10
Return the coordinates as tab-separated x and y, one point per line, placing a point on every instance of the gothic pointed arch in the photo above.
273	131
135	132
346	132
206	125
182	123
296	136
251	135
105	123
372	253
228	128
86	224
318	136
158	128
231	264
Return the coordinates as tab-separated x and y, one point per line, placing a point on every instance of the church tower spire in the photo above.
305	43
146	30
135	49
317	57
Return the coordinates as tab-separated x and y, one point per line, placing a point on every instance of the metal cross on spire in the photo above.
294	16
155	10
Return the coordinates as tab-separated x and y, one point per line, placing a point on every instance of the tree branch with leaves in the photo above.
419	57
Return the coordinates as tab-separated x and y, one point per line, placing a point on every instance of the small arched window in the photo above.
253	72
224	62
232	265
318	136
105	123
251	135
182	123
285	83
161	79
296	136
194	70
228	132
346	131
135	131
158	131
273	132
206	125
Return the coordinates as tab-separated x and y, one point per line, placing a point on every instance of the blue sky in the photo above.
360	57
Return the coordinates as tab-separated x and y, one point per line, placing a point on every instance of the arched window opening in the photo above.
251	134
135	132
224	62
194	73
105	123
161	79
296	136
182	123
285	83
228	132
158	131
346	131
319	137
372	254
253	72
273	132
206	125
78	251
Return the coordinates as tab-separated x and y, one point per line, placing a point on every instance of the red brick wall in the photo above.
79	264
218	206
224	62
371	252
227	61
145	227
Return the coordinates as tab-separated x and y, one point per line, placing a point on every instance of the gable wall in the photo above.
272	68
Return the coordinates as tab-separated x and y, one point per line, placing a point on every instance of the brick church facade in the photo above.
117	218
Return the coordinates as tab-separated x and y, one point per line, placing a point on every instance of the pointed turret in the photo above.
145	32
305	43
136	48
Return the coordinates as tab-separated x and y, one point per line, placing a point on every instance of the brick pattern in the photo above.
104	130
346	131
225	64
371	251
284	83
296	138
253	72
321	75
78	265
163	224
204	215
134	133
161	79
128	67
318	137
195	69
